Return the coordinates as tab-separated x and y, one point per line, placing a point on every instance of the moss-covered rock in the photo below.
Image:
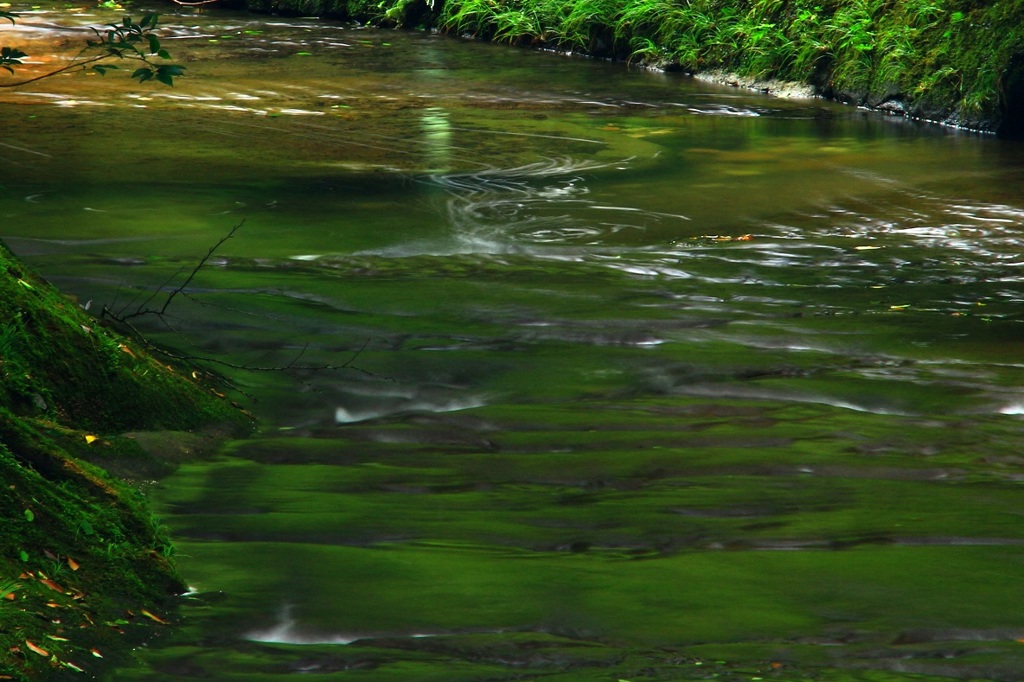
81	557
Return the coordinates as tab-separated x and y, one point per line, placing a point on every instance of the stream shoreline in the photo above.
950	62
87	418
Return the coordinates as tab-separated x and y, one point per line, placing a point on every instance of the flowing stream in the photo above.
634	377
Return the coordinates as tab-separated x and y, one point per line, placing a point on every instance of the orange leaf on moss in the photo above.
153	616
52	585
35	649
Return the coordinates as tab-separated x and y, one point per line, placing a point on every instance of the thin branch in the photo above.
258	368
153	294
73	65
290	366
161	314
191	275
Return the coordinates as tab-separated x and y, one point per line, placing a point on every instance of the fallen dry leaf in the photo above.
35	649
52	585
149	615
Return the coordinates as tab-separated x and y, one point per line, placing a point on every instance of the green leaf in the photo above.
23	555
143	74
29	515
166	73
11	55
154	44
163	54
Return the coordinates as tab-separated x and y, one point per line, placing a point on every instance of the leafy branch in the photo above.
128	39
10	55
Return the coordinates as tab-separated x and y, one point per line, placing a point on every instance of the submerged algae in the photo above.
81	556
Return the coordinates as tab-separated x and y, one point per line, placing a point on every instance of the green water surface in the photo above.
634	377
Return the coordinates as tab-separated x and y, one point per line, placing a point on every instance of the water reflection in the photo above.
437	134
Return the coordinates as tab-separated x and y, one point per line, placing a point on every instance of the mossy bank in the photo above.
956	61
85	569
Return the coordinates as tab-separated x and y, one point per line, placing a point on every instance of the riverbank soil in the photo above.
952	61
85	568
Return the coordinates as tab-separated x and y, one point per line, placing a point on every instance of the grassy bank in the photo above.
960	61
84	567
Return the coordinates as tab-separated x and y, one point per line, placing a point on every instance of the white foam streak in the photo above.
285	631
352	415
530	208
766	394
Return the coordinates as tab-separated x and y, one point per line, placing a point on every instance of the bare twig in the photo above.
291	366
170	297
73	65
153	294
161	313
